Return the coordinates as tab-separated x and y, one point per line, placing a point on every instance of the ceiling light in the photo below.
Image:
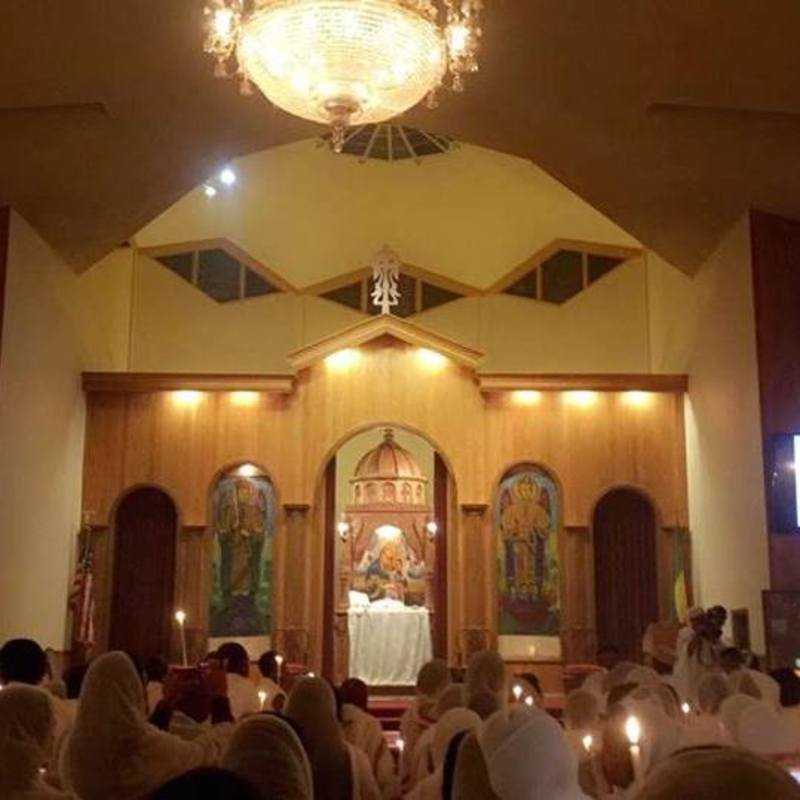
209	190
228	176
344	62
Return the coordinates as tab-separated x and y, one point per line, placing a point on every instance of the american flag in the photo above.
81	600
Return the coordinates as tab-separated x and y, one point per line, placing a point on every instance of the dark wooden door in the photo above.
441	507
144	573
626	574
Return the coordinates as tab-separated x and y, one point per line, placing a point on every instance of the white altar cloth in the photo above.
389	644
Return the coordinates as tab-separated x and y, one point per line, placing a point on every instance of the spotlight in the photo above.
244	398
248	471
209	190
526	397
228	176
343	359
582	399
187	398
637	399
431	359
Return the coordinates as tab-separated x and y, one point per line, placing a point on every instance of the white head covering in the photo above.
27	724
581	710
661	734
528	758
718	773
451	723
112	751
486	672
267	752
757	727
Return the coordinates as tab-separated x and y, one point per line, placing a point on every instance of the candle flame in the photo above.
633	730
517	692
587	743
180	617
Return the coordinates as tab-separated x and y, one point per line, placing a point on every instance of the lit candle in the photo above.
279	662
517	690
529	701
262	698
599	783
180	618
687	712
401	746
311	675
633	730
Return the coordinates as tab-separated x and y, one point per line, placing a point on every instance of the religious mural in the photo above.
389	568
243	510
527	521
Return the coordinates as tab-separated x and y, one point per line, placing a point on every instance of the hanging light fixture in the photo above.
342	62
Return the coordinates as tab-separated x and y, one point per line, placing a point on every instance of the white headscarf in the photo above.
756	727
113	751
528	758
267	752
27	725
661	734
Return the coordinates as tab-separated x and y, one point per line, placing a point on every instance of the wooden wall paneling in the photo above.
577	625
192	590
5	232
137	438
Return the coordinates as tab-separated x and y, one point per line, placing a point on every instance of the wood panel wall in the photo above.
153	438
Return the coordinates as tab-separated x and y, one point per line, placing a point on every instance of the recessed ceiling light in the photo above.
210	191
228	176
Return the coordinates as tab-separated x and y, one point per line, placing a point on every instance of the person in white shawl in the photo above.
706	727
113	752
528	758
449	725
758	728
340	771
267	752
582	711
718	773
421	763
27	730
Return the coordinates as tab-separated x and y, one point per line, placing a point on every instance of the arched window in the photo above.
528	524
243	519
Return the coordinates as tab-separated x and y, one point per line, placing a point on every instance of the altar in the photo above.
389	643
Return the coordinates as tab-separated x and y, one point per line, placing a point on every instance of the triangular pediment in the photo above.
385	325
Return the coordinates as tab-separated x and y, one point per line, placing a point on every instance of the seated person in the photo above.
155	670
275	697
242	692
732	661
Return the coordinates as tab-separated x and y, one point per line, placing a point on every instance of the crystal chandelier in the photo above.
342	62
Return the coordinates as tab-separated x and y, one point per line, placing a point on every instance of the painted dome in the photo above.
388	474
388	461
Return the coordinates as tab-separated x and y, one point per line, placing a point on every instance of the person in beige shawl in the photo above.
113	752
27	731
268	753
340	771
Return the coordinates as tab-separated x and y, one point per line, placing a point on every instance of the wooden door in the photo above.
626	572
144	573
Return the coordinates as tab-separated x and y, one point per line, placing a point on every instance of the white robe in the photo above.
363	731
113	752
243	696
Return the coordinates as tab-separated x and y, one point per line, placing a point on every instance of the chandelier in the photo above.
344	62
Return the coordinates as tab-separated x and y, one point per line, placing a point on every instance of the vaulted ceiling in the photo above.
672	118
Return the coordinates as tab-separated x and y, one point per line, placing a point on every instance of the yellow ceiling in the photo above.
472	215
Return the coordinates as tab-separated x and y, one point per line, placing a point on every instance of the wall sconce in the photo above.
433	528
343	529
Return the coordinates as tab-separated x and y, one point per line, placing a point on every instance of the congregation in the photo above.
716	727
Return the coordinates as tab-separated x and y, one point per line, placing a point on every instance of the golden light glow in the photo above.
637	399
248	471
244	398
361	62
187	397
582	399
430	359
388	532
180	617
526	397
633	730
343	359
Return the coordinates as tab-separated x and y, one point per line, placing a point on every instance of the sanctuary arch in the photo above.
180	431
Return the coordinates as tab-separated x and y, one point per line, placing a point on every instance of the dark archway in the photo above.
625	569
143	587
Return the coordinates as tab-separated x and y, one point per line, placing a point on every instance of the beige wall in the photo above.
41	439
472	215
723	434
176	328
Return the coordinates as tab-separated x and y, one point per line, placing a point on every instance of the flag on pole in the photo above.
81	599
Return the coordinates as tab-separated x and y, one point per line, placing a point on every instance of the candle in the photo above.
401	746
687	713
529	701
262	698
599	783
517	690
279	662
180	618
311	675
633	730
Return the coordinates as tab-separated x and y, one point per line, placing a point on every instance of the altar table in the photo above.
388	647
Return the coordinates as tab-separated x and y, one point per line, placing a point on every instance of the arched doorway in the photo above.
143	585
625	569
385	488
